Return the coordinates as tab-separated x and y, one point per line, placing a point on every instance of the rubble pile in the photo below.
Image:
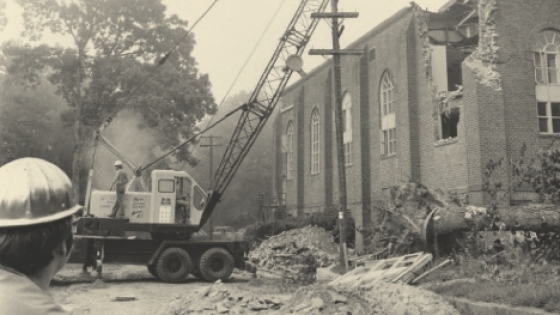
312	240
294	269
402	299
217	299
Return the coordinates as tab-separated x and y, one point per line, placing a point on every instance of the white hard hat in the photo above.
118	163
34	191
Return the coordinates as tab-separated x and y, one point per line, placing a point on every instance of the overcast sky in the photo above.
230	31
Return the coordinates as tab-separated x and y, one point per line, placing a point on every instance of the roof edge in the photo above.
373	32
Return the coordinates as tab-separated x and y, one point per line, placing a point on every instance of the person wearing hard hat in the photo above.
119	184
36	211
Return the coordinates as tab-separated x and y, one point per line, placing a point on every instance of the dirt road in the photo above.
241	294
148	295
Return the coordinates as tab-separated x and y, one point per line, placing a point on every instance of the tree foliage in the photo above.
30	123
118	59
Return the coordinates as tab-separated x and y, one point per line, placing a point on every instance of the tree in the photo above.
3	17
115	62
30	123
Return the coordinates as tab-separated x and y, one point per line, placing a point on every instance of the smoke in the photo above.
139	145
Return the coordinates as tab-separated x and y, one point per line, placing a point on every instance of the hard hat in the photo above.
118	163
34	191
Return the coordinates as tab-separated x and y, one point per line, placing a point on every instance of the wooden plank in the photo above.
408	273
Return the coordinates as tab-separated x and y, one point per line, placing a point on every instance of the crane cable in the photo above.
274	16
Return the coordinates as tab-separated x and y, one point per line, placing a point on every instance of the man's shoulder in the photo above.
32	304
18	295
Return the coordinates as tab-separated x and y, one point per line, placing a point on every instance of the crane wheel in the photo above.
216	263
173	265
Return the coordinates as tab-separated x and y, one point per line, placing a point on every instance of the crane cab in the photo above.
177	198
174	197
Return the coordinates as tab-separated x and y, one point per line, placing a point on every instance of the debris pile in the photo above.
217	299
295	269
312	240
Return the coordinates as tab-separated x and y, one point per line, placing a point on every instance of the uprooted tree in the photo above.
115	61
417	213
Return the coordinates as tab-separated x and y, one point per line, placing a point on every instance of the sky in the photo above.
228	34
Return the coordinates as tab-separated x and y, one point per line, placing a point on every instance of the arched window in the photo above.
315	144
387	94
387	113
347	127
290	150
547	73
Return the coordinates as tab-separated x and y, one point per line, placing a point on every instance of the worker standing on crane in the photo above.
119	184
36	209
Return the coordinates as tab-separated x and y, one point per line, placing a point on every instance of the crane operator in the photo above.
119	184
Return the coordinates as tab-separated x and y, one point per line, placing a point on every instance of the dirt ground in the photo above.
132	290
146	294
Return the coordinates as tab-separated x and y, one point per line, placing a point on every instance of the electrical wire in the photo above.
274	16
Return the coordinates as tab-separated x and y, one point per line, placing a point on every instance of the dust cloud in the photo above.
139	145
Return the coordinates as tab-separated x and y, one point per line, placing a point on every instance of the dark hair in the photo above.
28	249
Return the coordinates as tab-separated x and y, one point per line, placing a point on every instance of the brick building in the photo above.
434	97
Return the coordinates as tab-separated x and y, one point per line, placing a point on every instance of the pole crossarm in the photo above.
264	98
330	15
336	52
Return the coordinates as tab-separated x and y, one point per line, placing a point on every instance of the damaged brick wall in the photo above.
422	22
484	59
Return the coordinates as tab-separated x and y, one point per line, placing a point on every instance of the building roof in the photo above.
372	33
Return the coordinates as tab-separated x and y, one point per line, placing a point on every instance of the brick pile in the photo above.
311	240
295	269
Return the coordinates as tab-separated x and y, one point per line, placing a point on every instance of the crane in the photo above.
170	254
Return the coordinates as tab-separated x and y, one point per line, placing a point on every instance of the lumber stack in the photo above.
401	269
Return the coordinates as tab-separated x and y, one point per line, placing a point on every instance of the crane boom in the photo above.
263	100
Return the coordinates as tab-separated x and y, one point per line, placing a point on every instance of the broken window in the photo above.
546	60
290	151
387	110
453	35
315	142
448	123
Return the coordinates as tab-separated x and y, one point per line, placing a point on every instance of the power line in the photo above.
274	16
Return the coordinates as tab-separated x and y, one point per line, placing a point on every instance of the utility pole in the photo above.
211	145
336	52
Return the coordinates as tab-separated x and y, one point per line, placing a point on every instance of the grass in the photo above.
513	281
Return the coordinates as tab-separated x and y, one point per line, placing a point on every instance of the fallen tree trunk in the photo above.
534	217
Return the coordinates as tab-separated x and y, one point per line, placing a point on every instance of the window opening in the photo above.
387	113
166	186
546	60
290	153
315	142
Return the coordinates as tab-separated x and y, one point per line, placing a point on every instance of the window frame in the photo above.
290	151
547	79
548	115
387	94
387	115
315	142
166	180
